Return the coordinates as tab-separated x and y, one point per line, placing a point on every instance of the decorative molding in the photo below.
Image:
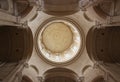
40	79
66	19
97	64
64	72
81	79
26	65
19	75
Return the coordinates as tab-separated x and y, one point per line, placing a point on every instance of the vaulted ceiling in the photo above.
59	40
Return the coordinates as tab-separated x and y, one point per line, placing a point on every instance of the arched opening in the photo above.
60	75
103	44
60	7
16	43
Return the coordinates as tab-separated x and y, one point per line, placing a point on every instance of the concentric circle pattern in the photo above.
59	41
57	37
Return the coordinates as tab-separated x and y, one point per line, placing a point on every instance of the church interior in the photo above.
59	41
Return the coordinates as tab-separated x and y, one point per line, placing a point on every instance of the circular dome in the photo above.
59	40
57	37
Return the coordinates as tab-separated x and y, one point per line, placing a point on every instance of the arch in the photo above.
103	44
35	68
60	8
16	43
61	73
85	68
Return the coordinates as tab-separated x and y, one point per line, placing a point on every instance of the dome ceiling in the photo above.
59	41
57	37
59	29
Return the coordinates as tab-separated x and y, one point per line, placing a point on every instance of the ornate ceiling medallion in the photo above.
59	40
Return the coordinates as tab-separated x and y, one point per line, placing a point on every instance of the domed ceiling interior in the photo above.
59	40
